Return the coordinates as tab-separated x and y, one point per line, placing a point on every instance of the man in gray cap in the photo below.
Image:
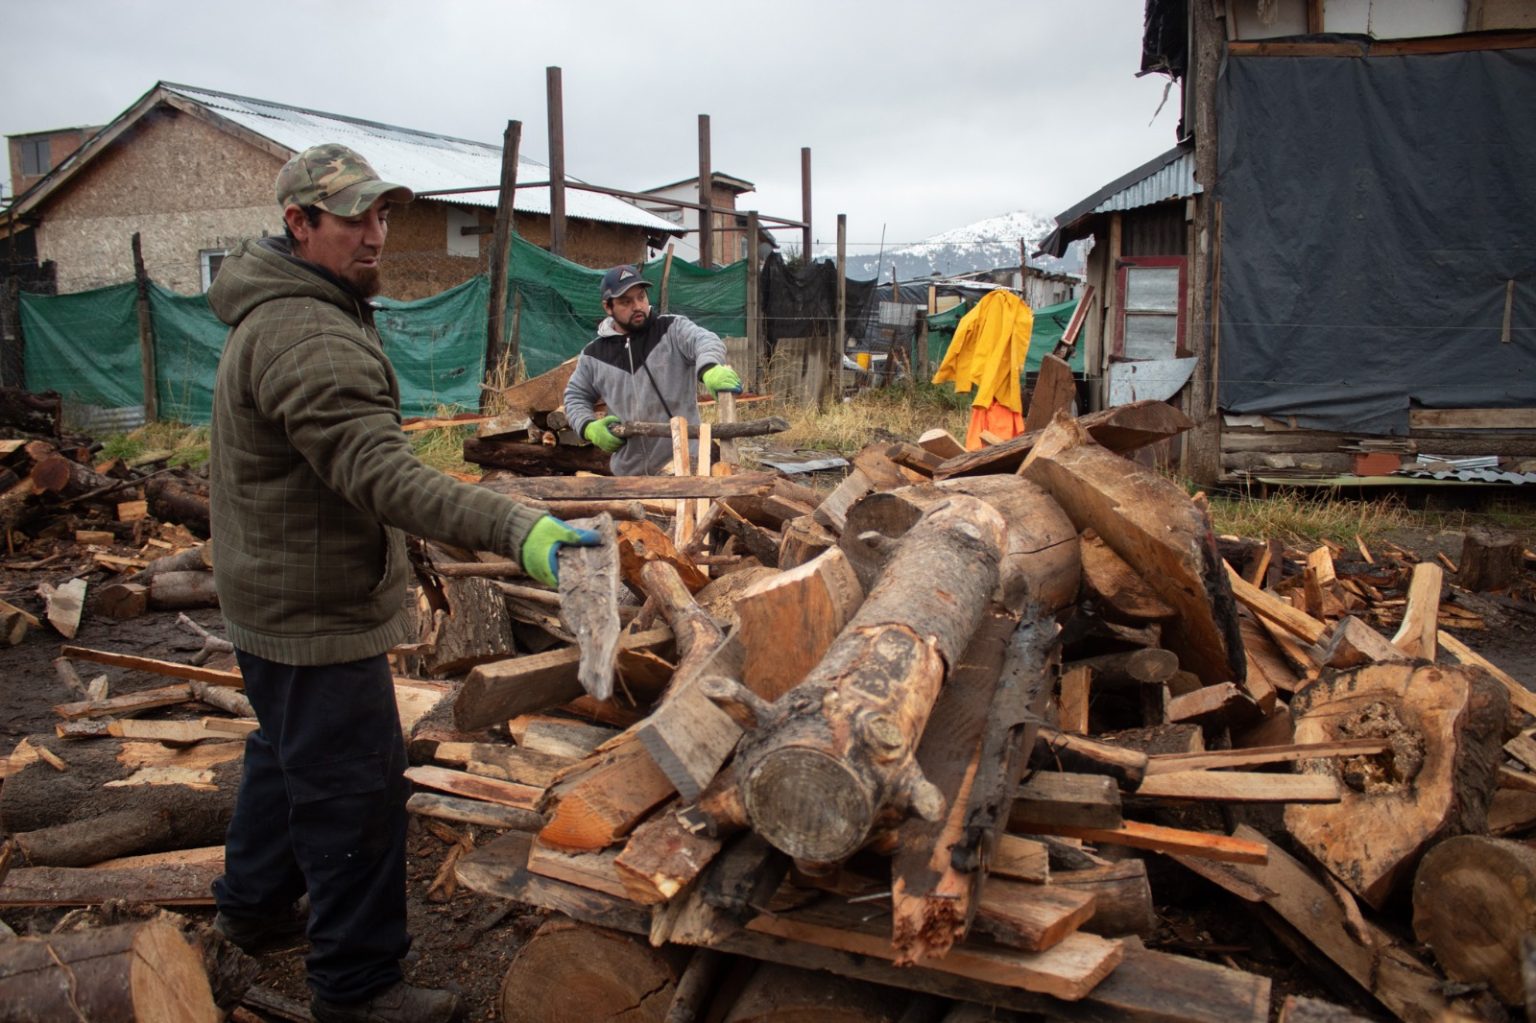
314	487
647	369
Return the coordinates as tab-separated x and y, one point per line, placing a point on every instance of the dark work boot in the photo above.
401	1003
259	935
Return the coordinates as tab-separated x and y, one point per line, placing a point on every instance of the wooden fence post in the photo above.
754	302
501	256
146	332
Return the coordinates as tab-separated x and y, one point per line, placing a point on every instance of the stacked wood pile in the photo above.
931	731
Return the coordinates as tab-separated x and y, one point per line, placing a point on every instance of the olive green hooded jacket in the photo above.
313	483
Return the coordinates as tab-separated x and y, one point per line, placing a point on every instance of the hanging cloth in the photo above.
987	353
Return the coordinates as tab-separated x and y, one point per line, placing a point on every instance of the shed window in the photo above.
1151	308
34	157
211	260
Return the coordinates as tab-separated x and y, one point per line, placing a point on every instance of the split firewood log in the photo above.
834	758
1474	899
1445	726
145	971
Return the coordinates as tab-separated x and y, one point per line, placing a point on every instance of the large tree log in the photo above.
777	994
1041	560
526	459
131	973
184	799
834	757
1445	726
179	591
172	500
570	972
1474	898
1151	523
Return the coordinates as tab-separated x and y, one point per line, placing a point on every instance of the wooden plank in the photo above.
1222	701
559	737
939	441
592	870
177	731
1068	971
1023	859
1054	392
589	605
473	811
598	807
500	690
204	854
1160	839
811	603
626	488
1079	800
472	786
131	703
497	760
1257	755
1406	986
1032	917
1416	637
663	857
1273	609
1472	418
170	669
1076	683
1120	429
1242	787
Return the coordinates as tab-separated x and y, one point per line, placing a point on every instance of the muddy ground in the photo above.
467	942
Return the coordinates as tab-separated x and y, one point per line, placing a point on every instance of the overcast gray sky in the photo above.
920	116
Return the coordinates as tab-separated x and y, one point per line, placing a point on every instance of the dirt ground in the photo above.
467	942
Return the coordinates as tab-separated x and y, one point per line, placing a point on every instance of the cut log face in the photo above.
810	603
574	973
1445	727
1474	898
1151	523
840	754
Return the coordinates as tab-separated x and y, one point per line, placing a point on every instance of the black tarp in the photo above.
1374	211
802	302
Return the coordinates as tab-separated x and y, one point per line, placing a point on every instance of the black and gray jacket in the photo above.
647	377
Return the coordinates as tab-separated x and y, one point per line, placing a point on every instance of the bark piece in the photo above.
811	603
474	628
1151	523
1474	898
461	783
589	606
473	811
142	971
1445	727
1054	392
818	779
663	857
573	971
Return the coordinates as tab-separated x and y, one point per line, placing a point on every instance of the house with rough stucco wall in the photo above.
191	171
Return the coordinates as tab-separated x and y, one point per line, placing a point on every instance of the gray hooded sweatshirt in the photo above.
646	377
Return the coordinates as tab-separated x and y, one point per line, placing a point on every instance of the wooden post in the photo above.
666	276
754	303
501	253
706	197
12	361
920	340
839	331
556	103
146	331
805	203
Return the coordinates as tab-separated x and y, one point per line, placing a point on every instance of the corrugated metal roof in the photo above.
1175	180
420	160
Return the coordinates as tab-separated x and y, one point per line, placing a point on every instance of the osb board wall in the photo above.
182	184
588	242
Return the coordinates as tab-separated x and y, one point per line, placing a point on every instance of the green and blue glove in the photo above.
597	432
721	378
544	541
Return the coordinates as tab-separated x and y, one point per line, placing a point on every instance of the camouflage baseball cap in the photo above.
336	179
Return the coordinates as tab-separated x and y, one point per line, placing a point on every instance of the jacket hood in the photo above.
609	329
262	269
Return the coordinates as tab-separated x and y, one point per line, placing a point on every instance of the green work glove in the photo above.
598	433
544	540
721	378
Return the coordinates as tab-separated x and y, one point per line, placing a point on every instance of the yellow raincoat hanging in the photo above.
988	353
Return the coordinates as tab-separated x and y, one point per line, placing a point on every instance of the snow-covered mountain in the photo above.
984	245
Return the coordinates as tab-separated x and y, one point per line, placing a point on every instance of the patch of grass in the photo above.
1295	517
178	443
903	412
443	448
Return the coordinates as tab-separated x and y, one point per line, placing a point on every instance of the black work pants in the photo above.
321	809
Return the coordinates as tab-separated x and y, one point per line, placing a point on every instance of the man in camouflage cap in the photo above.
314	487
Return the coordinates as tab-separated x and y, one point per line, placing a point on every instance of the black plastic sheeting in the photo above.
1374	211
802	302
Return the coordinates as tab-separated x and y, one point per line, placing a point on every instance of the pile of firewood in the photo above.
927	733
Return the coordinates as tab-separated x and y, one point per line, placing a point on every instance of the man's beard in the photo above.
365	281
634	327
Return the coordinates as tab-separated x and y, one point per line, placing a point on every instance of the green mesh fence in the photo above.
86	345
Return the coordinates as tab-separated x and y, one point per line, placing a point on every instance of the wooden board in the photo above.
1242	787
1254	756
460	783
171	669
1161	839
1032	917
1120	429
811	603
624	488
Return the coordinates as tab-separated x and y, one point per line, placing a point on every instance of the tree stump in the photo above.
1445	726
776	993
132	973
570	972
1474	897
1490	559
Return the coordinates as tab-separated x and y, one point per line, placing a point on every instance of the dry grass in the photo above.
178	443
902	412
1295	517
443	448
